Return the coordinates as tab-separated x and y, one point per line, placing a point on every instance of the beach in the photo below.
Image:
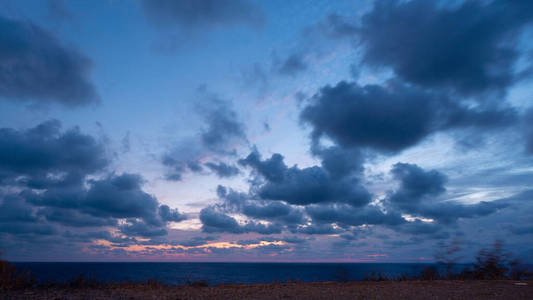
385	290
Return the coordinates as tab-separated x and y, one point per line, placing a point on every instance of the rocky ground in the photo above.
427	290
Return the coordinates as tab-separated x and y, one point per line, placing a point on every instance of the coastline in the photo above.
412	289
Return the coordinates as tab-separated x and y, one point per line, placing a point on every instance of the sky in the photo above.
279	131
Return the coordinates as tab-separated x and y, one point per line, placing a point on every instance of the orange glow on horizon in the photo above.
219	245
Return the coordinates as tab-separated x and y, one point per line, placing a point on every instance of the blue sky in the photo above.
264	130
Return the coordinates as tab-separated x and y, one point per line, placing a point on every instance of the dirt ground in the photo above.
426	290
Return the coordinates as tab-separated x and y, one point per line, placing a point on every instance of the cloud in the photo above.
223	170
142	229
336	26
18	218
15	209
528	130
415	184
220	136
58	10
197	241
339	162
468	48
392	118
44	149
317	229
215	221
201	14
74	218
120	197
36	67
53	181
104	202
170	215
418	195
346	215
180	165
222	126
246	204
302	186
291	65
115	201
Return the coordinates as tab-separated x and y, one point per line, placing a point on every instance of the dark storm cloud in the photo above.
303	186
418	194
46	149
393	117
197	14
469	48
35	66
223	170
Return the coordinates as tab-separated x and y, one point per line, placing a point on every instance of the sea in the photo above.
180	273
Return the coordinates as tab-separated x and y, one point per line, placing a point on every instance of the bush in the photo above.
10	278
430	273
196	283
492	263
342	275
375	276
447	256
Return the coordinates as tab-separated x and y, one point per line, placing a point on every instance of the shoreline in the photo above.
412	289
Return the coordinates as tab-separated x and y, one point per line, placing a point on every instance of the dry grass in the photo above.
447	289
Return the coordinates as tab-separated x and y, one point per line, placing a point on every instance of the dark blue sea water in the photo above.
214	273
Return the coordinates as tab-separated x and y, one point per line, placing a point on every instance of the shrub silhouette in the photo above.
448	257
342	275
10	278
492	263
375	276
430	273
518	270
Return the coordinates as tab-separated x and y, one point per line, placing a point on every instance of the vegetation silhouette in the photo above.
494	263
